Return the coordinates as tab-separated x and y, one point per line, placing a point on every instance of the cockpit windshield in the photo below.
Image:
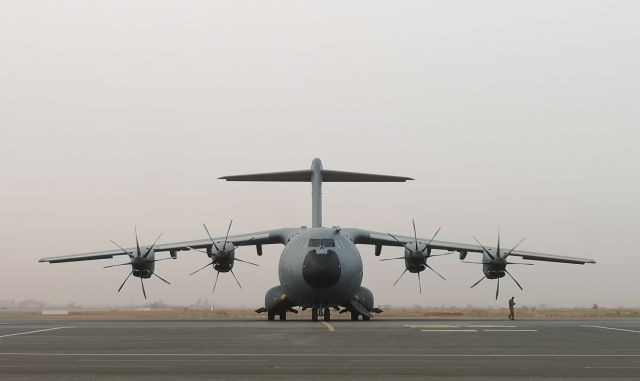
316	242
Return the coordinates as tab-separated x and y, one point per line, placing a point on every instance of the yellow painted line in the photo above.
330	327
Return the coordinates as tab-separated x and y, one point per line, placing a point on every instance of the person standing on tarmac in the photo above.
512	303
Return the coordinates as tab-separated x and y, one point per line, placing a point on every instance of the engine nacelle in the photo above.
224	257
142	267
415	261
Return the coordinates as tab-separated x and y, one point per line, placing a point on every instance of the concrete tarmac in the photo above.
300	349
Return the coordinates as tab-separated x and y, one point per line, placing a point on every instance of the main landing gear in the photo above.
326	314
272	315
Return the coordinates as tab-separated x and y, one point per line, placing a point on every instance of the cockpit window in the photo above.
321	242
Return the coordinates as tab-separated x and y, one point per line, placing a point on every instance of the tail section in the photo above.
316	175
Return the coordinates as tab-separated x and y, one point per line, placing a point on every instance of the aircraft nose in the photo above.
321	270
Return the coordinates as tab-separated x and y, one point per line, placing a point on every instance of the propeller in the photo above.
498	262
223	256
417	258
139	262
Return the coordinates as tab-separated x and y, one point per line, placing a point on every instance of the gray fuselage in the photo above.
320	267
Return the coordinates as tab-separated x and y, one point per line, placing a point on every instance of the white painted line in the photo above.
449	330
30	332
597	326
326	355
612	367
511	330
431	326
491	326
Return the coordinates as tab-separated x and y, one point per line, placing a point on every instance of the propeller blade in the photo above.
434	237
396	282
483	248
143	291
394	237
210	237
475	284
415	234
244	243
511	251
520	263
120	247
498	247
202	268
441	254
437	273
498	289
202	251
514	279
419	283
216	282
121	264
135	229
125	281
391	259
247	262
227	237
161	278
152	246
236	278
473	263
161	259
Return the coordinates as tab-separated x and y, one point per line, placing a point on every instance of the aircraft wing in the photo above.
259	238
366	237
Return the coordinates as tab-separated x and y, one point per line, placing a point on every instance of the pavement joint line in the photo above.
597	326
449	330
326	355
37	331
329	326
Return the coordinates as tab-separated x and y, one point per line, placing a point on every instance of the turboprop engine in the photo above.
142	265
415	256
223	256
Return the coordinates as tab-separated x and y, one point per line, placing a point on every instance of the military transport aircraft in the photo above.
320	268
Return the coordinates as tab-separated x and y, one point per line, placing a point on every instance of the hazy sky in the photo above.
519	115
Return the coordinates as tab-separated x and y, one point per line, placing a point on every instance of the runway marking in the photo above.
449	330
330	327
37	331
491	326
431	326
612	367
510	330
613	329
326	355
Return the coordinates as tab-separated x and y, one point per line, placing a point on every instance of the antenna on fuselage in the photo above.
316	176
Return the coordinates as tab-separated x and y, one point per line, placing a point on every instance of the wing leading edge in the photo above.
267	237
367	237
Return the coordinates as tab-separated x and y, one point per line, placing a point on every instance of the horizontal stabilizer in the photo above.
327	176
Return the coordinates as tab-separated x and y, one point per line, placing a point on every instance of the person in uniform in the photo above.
512	303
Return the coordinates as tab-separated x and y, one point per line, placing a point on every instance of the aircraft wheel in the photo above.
366	318
271	315
354	315
327	314
283	316
314	314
